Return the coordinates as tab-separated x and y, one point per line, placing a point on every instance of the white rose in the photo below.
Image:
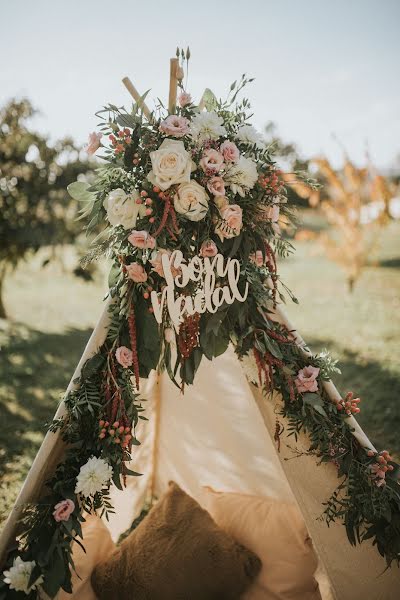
191	200
171	164
122	208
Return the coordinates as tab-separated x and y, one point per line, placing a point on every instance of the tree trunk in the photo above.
3	270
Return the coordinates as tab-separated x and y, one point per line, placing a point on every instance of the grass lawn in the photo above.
52	314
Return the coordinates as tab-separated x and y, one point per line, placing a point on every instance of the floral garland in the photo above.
203	183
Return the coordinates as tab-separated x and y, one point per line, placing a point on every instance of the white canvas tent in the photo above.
193	440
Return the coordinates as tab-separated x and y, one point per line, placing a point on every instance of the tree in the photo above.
35	208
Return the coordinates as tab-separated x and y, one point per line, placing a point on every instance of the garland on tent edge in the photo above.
233	204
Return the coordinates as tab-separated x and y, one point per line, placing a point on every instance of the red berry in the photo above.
138	201
152	219
156	189
145	295
149	211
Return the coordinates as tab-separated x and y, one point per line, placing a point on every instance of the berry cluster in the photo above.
348	404
115	432
120	141
271	181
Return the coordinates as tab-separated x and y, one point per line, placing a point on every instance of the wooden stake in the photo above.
136	96
173	84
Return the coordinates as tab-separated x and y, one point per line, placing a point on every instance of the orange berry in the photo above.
101	423
145	295
151	220
143	193
116	424
156	189
111	432
117	440
121	429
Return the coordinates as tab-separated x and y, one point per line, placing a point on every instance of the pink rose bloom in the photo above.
232	215
175	125
158	266
208	248
124	356
216	186
257	258
93	142
212	161
136	272
306	380
184	99
229	151
141	239
63	510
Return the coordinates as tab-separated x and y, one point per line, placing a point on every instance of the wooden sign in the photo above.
209	294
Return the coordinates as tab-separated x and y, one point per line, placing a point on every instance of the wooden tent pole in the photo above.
137	97
329	386
173	84
52	448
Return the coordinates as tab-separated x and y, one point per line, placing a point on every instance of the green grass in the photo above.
52	315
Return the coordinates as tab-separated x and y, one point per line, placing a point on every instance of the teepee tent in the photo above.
227	434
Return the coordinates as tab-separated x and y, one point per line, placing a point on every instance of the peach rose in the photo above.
124	356
231	223
175	125
184	99
208	248
157	265
216	186
306	380
63	510
93	142
141	239
229	151
136	272
212	161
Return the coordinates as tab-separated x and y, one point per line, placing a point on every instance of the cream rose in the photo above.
171	164
122	208
191	200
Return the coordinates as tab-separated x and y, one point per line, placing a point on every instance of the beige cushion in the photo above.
176	553
275	531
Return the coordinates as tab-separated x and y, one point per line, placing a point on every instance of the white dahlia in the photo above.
17	577
93	476
250	367
247	134
241	176
207	126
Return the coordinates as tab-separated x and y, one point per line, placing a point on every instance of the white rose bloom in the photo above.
191	200
250	367
171	164
206	126
122	208
247	134
18	576
242	176
93	476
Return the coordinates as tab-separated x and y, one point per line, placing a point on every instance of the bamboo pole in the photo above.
52	448
137	97
173	84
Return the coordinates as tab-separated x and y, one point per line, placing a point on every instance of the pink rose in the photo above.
257	258
175	125
124	356
229	151
232	215
63	510
184	99
306	380
212	161
216	186
208	248
93	142
158	266
136	272
141	239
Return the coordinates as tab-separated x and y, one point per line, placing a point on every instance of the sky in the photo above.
326	72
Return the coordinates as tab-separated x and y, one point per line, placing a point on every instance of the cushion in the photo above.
176	553
276	532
